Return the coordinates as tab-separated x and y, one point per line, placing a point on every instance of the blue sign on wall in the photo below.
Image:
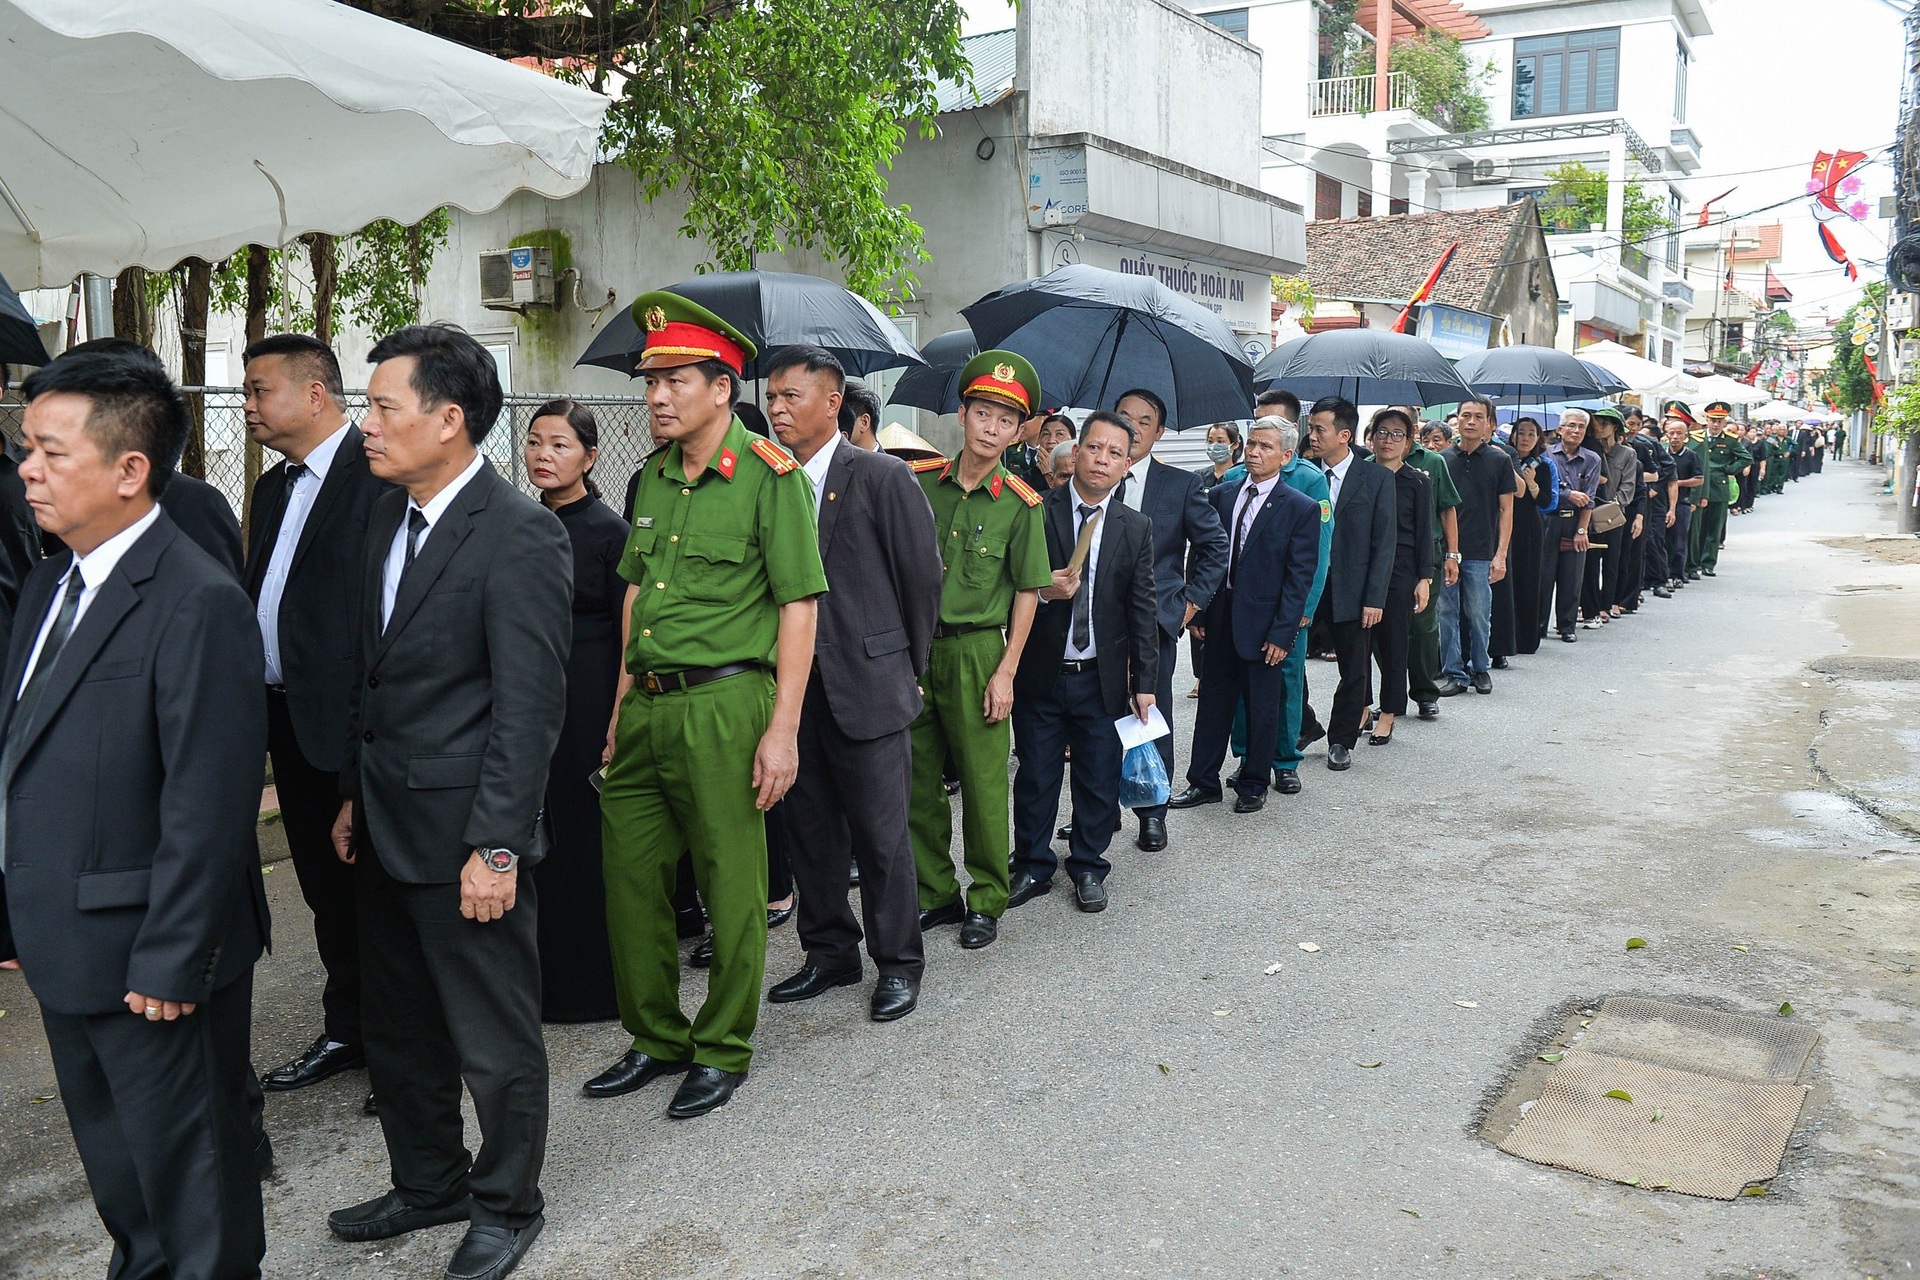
1455	331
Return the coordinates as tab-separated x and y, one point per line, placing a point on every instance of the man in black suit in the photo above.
1254	620
1189	560
1093	655
848	805
135	731
1359	565
20	536
466	619
304	572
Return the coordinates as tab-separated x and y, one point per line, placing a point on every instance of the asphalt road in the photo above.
1133	1094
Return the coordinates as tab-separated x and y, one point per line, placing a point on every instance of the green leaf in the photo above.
1165	1070
1621	1094
1409	1212
45	1097
1662	1186
1634	944
1552	1057
1786	1009
1754	1191
1657	1113
1738	947
1628	1182
1368	1065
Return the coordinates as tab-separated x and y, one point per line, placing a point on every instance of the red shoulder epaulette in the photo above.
1025	490
927	464
773	455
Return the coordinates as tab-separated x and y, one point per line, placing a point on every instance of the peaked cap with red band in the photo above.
678	332
1675	409
1004	377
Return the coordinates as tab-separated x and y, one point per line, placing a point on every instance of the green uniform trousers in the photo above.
681	781
1423	648
953	720
1708	532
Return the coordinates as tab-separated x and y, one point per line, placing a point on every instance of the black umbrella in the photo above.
1094	334
1610	383
1527	373
1365	366
937	386
19	335
773	309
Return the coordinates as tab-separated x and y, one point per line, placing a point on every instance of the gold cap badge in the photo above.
1003	373
656	319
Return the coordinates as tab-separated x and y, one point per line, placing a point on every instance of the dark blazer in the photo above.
20	540
204	515
1125	607
1189	546
460	700
882	554
133	798
1360	564
320	606
1277	563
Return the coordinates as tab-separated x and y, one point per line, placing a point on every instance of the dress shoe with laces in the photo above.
1287	782
1088	893
635	1070
1500	664
1153	835
812	980
323	1058
1025	889
387	1216
978	930
1428	710
1482	682
934	917
1662	593
705	1089
1193	798
490	1252
1339	757
1250	801
894	998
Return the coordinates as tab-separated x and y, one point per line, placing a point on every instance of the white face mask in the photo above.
1219	453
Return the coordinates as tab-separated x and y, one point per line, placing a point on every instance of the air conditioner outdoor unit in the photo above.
1484	172
1909	352
515	279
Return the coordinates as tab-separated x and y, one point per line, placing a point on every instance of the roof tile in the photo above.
1386	259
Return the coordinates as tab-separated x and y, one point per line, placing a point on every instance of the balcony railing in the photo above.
1354	95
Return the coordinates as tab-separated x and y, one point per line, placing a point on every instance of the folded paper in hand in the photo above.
1133	731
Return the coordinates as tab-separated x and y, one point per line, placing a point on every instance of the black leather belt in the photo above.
946	631
1079	664
691	678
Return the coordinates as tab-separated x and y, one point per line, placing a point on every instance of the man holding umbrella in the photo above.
994	547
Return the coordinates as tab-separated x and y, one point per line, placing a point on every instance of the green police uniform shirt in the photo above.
1722	456
714	559
991	541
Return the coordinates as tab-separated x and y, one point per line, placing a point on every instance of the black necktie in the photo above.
37	682
1239	526
416	525
1083	598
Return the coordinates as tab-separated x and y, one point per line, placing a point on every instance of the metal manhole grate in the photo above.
1729	1045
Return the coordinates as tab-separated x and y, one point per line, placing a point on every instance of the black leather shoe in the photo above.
323	1058
811	981
263	1158
1308	737
704	1089
853	876
1153	835
690	923
1064	833
701	957
978	930
1710	573
1662	593
1025	889
488	1253
934	917
1193	798
1249	801
370	1107
1693	575
387	1216
777	916
1450	688
1499	664
634	1070
1429	710
1482	682
894	998
1339	757
1287	782
1088	893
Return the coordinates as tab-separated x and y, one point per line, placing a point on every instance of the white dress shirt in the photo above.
1134	487
1089	569
94	568
1246	509
816	469
397	549
300	500
1337	476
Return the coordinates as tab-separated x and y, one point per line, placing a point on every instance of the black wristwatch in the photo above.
501	860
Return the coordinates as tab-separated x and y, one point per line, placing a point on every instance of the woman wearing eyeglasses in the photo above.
1413	564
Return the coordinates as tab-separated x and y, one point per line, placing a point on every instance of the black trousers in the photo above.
1569	572
1227	680
1163	698
1353	651
447	1000
159	1113
309	802
1073	716
849	806
1653	560
1389	644
1632	565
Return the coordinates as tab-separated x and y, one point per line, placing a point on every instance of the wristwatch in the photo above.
501	860
1453	555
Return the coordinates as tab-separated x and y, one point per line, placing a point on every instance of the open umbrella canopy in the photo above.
1720	387
19	335
1640	374
1527	373
1094	334
773	309
1780	411
1611	384
937	387
1365	366
142	133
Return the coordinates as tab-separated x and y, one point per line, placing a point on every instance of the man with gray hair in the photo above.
1060	464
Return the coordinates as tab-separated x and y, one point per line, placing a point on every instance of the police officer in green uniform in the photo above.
1779	459
995	551
1722	455
724	566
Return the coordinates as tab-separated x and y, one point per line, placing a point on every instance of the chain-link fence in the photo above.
625	437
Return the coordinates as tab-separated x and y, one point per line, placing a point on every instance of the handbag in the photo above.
1607	517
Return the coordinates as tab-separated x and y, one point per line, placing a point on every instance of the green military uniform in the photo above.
1720	457
713	558
1423	635
993	545
1779	455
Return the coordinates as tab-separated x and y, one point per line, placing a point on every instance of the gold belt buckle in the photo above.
651	683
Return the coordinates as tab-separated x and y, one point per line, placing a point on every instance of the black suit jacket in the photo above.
1125	607
1189	546
20	540
320	605
1365	527
882	554
1277	562
460	699
204	515
133	798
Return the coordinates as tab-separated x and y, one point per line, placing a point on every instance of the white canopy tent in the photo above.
1720	387
141	133
1639	373
1781	411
